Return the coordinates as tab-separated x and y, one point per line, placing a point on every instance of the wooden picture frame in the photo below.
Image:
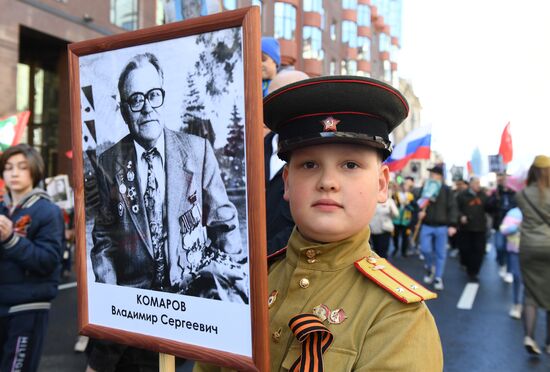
196	296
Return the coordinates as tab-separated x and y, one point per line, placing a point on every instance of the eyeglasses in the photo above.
137	100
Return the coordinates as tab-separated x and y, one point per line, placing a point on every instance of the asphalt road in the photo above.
483	338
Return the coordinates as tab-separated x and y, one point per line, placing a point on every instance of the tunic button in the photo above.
310	253
304	283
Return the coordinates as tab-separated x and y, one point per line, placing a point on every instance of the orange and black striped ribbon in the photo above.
315	339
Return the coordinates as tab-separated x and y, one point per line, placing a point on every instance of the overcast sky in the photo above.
475	65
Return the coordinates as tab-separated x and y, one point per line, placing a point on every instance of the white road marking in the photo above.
66	286
468	296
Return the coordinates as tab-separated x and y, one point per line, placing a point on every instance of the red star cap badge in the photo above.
329	124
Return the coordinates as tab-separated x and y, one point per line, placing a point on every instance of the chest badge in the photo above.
272	298
322	312
337	316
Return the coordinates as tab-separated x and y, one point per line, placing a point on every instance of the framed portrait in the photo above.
59	189
169	191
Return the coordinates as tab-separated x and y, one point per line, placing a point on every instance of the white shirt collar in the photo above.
159	145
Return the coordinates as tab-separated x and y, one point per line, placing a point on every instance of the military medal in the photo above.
132	193
322	312
337	316
130	176
272	298
122	188
129	165
120	209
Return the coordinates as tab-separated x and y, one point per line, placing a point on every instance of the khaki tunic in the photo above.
380	332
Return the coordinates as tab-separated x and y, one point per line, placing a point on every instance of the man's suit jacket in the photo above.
122	253
278	217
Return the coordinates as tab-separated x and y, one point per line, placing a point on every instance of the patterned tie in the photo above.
153	206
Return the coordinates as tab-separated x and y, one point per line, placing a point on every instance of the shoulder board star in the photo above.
396	282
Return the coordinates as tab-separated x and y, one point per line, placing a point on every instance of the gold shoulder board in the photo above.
396	282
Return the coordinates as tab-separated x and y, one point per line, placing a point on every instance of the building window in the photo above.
230	4
124	14
332	68
333	31
349	4
312	37
363	48
348	67
313	6
387	71
384	42
363	15
285	21
349	33
257	3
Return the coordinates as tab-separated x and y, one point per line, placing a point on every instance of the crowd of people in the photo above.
465	221
332	203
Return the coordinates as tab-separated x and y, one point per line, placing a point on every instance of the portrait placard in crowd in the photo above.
166	121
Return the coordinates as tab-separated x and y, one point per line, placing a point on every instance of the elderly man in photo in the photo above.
165	220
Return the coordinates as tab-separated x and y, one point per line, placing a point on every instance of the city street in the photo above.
483	338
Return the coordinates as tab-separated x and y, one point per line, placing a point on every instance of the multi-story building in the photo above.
328	37
34	35
320	37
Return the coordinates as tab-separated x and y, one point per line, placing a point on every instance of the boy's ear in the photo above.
383	182
285	179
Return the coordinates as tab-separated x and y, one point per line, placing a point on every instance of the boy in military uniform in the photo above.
334	305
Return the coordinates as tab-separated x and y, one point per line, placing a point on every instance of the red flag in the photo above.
505	149
469	168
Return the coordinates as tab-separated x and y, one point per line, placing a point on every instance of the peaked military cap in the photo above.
335	109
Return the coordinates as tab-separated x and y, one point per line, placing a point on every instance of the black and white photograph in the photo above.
59	189
165	186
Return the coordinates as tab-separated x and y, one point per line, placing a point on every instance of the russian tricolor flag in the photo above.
415	145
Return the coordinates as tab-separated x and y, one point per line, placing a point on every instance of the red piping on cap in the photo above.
332	113
339	81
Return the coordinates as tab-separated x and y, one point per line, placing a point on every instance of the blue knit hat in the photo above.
270	46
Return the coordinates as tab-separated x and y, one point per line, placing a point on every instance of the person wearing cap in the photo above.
271	60
438	221
335	305
534	252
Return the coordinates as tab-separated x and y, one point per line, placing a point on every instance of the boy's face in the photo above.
17	174
333	189
269	67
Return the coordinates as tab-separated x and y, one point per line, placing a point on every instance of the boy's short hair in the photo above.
36	164
335	109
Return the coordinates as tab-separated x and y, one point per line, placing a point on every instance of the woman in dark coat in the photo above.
534	202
